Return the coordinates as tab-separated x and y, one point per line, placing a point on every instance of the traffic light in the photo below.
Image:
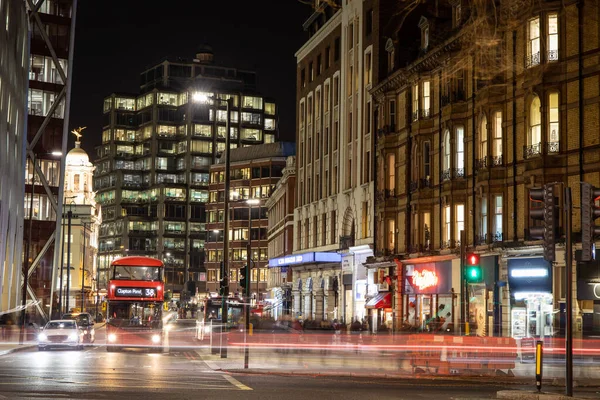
224	282
473	269
244	272
589	212
547	213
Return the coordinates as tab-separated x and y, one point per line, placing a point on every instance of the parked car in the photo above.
85	323
60	333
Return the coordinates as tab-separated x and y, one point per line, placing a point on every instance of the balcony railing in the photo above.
413	186
415	115
552	55
532	60
459	173
482	163
532	151
496	161
446	174
426	113
458	95
424	183
552	147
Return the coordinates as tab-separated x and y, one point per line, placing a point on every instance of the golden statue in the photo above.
77	132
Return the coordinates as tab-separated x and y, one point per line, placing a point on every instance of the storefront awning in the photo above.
382	300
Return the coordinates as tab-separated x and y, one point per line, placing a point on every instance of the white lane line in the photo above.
236	383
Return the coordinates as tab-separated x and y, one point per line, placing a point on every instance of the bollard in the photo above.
538	364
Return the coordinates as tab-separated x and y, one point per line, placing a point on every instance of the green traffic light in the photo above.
474	274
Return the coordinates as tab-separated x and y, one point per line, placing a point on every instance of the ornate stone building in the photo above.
490	102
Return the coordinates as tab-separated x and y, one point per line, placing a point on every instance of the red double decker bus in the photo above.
134	315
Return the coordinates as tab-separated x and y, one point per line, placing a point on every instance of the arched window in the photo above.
446	151
483	140
535	122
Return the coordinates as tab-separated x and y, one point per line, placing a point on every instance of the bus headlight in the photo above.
112	338
155	339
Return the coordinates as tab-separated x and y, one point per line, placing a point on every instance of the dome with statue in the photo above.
77	156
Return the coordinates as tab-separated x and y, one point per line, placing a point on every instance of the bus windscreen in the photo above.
136	273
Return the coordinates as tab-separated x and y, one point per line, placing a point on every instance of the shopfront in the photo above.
379	306
429	299
315	290
588	295
531	299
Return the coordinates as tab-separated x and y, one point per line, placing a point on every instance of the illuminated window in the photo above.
552	37
533	42
535	122
553	124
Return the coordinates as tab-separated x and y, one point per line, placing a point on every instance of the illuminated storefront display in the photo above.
532	308
424	279
428	296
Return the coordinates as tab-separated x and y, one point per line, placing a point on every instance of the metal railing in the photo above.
532	151
532	60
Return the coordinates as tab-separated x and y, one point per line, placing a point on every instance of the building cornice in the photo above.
314	41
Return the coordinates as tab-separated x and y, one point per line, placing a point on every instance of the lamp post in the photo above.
199	97
83	269
250	202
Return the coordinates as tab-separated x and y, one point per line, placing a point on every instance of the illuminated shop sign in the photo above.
434	277
305	258
424	279
135	292
529	275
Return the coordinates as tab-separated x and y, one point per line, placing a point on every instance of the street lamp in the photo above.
250	203
205	98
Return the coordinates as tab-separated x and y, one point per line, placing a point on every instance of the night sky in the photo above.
116	39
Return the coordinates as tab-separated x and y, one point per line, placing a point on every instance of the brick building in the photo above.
488	104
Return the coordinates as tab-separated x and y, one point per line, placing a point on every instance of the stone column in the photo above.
308	310
297	303
318	304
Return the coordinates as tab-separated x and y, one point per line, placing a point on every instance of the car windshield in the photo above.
61	325
81	319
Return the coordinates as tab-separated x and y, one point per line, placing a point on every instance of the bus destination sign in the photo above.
135	292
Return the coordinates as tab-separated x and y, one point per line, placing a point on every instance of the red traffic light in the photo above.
473	259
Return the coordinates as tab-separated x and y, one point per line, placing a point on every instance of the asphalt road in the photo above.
95	374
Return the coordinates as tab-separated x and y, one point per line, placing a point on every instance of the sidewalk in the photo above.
378	364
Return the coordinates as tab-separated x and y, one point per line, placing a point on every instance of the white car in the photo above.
60	333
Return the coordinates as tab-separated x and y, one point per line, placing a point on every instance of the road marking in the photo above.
236	383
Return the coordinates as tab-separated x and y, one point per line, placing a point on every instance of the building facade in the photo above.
471	118
152	170
255	171
13	97
280	236
46	112
334	209
85	226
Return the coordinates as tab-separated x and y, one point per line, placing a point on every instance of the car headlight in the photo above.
73	336
85	332
112	338
42	337
155	338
